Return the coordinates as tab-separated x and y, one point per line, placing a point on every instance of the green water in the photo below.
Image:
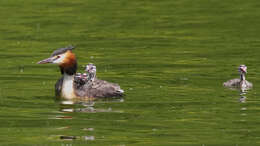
170	56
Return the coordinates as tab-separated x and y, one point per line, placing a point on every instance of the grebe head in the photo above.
91	71
60	56
64	58
91	68
242	69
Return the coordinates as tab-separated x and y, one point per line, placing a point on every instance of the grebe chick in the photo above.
91	69
100	88
241	83
72	85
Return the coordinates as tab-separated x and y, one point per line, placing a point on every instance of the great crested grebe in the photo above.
241	83
72	85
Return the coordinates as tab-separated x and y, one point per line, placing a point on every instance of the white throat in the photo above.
242	76
67	91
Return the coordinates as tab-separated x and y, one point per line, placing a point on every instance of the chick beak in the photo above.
244	70
44	61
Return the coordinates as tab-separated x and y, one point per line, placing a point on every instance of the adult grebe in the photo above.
72	86
241	83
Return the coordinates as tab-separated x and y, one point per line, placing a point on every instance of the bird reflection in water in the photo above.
87	138
88	106
242	95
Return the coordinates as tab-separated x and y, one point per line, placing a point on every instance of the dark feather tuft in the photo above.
62	50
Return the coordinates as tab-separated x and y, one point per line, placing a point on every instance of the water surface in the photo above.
170	57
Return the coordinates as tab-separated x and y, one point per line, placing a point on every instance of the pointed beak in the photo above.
243	69
48	60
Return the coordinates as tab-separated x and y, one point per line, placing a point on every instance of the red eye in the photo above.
58	56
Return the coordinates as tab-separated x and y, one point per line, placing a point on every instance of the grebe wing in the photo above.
232	83
79	82
58	87
249	84
101	88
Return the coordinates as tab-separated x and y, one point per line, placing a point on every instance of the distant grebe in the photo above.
241	82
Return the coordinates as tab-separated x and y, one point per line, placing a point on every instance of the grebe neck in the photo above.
69	70
67	86
242	77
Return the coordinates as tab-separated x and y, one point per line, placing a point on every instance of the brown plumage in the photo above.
72	85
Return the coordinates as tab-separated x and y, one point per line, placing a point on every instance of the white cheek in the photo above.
59	60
